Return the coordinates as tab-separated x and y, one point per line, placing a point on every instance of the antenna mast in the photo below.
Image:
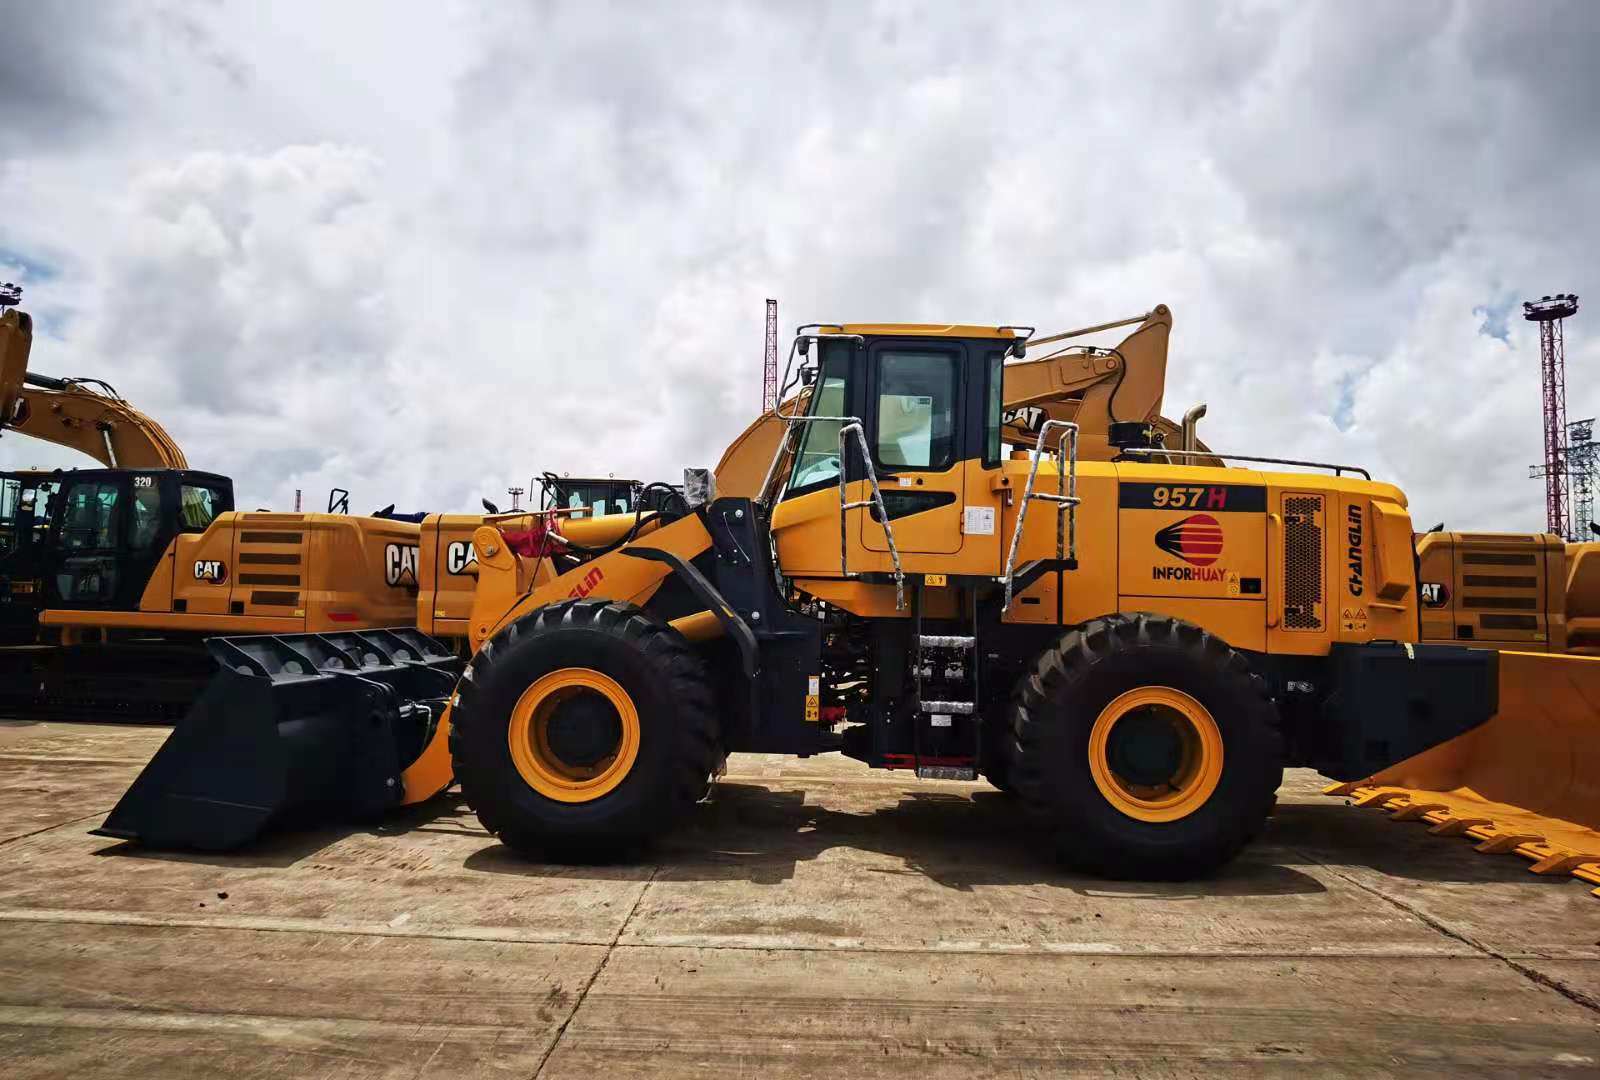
769	381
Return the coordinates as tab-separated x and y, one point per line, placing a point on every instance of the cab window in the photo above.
198	506
917	409
146	524
10	509
39	502
994	409
89	519
818	460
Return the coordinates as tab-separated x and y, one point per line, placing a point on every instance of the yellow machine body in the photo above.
266	573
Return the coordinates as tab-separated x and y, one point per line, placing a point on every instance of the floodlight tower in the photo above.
1583	462
769	380
1549	312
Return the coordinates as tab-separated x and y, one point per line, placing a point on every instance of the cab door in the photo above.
24	514
88	531
915	422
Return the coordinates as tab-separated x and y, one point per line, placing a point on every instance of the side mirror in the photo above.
808	375
802	345
1019	348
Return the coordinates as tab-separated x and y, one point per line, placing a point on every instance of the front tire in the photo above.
583	730
1148	745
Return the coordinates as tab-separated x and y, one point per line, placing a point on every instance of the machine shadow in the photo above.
1333	833
756	834
283	848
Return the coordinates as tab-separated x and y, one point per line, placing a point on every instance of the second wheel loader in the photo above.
1137	645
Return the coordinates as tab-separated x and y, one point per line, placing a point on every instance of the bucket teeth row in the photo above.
1552	846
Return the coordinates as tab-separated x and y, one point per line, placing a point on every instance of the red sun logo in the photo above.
1197	539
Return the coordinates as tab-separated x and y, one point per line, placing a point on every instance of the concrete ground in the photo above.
816	918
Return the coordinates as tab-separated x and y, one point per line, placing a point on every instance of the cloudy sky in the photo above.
423	251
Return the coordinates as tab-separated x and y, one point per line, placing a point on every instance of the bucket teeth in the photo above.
1507	843
1557	847
1416	811
1565	862
1458	826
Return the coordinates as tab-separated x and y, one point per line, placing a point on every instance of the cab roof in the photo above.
952	330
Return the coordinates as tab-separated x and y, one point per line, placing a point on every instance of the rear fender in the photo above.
500	599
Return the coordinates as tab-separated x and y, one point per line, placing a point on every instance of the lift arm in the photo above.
84	414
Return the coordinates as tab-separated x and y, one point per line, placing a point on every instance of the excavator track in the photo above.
132	683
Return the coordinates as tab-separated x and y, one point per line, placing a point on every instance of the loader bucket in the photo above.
294	730
1527	782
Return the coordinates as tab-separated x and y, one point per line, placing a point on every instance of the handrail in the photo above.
1338	470
1065	498
876	502
849	425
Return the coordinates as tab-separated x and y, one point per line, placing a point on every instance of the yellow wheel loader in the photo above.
1135	645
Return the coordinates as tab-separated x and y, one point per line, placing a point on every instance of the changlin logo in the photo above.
1197	539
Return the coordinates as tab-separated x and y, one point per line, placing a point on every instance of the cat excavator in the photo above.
113	579
1135	639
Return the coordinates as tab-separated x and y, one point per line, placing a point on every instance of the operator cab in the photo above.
91	538
929	400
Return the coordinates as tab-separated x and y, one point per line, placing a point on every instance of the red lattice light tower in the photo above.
769	381
1548	312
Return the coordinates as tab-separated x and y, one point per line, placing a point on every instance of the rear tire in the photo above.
583	730
1161	701
994	759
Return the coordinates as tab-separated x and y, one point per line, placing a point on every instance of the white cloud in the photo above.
426	253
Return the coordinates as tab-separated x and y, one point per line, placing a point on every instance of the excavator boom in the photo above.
82	414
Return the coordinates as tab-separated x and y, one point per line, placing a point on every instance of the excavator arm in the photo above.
1093	387
83	414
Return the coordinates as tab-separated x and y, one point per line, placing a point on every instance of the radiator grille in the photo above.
1302	562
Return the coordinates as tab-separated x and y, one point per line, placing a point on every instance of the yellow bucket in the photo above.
1527	782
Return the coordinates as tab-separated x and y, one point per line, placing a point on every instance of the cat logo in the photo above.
1029	418
400	564
458	556
210	570
1434	594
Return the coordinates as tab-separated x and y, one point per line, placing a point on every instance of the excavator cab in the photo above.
90	539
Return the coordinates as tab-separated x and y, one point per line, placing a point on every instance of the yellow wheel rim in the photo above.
1155	754
529	736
